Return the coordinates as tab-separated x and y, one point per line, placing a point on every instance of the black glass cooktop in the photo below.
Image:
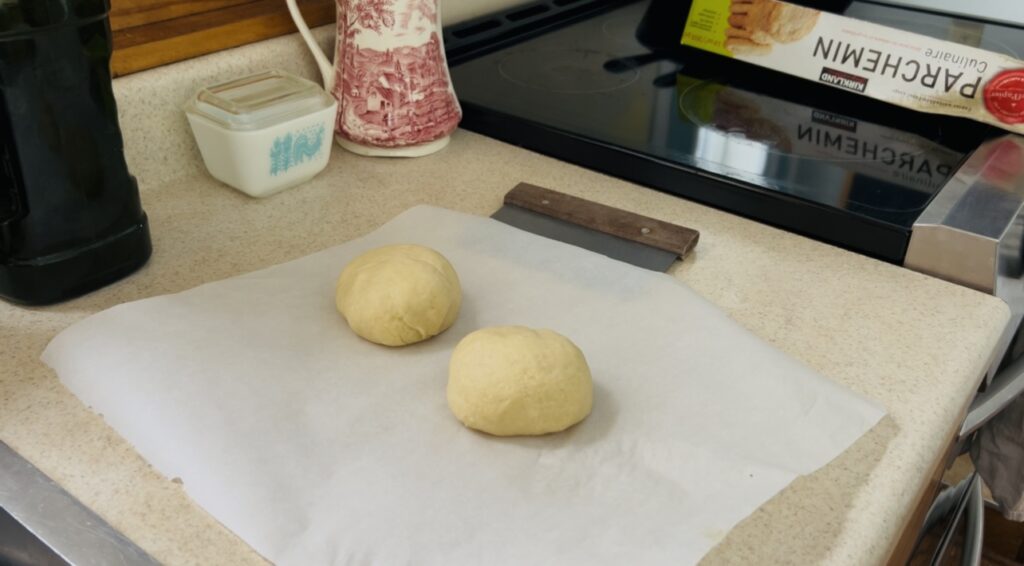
806	157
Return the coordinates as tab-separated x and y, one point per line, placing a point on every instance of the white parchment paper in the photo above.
317	447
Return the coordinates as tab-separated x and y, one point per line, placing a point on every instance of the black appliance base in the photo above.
73	273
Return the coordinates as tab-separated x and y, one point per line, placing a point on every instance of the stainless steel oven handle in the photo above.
975	524
962	503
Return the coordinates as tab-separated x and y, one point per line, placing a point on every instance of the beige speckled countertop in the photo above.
916	345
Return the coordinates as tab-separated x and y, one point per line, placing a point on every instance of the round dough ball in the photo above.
512	380
399	295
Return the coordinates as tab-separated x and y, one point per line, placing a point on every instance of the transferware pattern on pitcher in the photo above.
391	75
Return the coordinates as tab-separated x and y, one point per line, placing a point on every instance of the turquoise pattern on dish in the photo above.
295	148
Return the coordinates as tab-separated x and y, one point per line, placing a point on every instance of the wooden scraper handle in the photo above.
603	218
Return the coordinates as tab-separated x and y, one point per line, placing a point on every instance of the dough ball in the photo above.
399	295
512	380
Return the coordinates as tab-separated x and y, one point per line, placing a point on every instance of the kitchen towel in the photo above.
317	447
998	455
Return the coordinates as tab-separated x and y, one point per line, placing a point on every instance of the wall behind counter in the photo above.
150	33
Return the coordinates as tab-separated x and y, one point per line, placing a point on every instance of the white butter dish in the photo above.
263	133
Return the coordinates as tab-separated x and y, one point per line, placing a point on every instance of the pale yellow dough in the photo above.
512	380
399	295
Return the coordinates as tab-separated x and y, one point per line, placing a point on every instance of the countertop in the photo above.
915	344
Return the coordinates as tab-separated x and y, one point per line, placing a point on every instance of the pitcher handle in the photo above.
326	68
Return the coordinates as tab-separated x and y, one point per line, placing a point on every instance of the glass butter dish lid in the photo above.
259	101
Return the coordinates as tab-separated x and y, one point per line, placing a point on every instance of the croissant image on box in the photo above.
754	25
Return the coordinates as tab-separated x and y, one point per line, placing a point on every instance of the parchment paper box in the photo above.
911	70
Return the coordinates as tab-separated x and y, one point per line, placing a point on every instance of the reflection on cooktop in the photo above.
739	117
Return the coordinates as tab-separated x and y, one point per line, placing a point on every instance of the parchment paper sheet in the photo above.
317	447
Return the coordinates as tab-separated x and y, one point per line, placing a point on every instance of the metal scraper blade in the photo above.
614	247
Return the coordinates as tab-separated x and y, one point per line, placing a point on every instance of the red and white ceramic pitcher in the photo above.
390	76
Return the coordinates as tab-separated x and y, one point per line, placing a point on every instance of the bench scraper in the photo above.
619	234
